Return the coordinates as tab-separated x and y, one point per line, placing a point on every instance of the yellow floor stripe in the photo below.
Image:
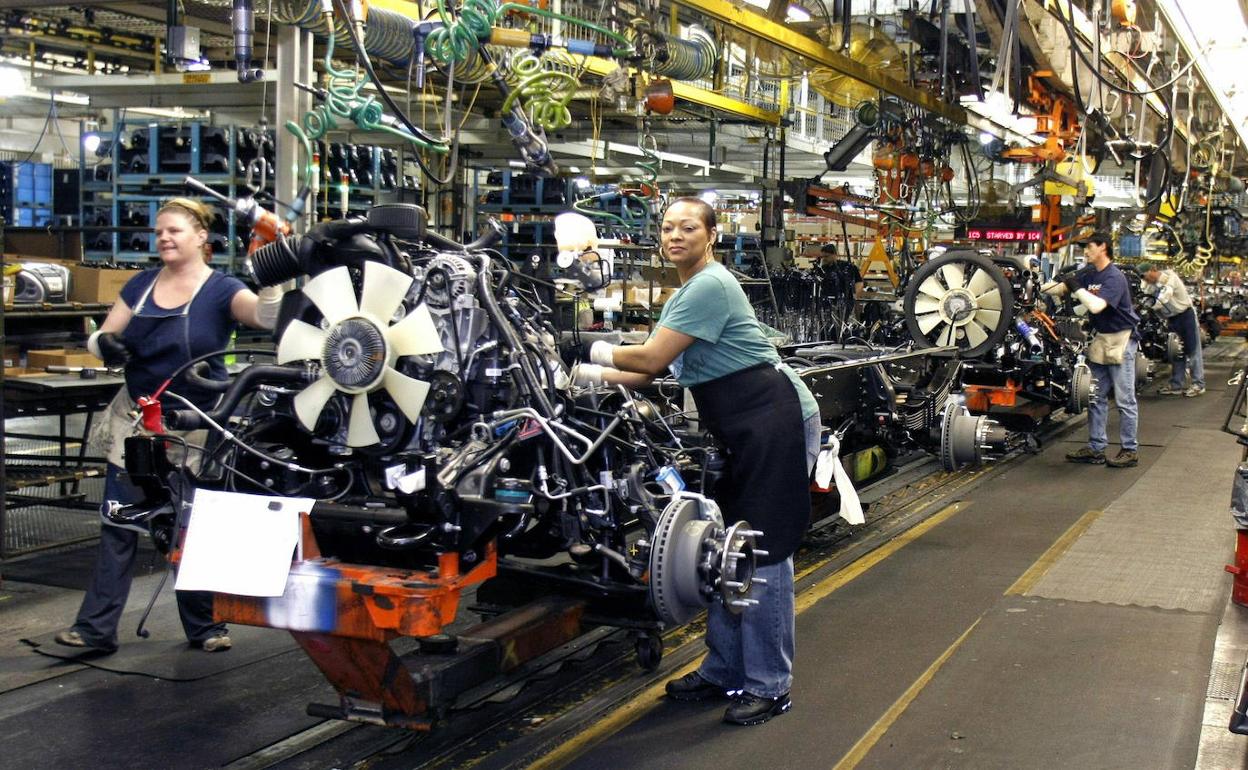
611	724
868	741
1028	579
841	577
647	699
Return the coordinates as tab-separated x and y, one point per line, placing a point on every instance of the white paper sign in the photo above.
828	469
240	544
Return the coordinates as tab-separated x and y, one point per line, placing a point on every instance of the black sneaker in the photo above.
1086	455
692	687
749	709
1127	458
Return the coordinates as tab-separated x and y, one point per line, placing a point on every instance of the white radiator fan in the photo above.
358	350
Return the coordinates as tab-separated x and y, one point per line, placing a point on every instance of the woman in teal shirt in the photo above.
767	420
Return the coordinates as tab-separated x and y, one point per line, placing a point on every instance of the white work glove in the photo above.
269	305
1089	300
587	374
602	353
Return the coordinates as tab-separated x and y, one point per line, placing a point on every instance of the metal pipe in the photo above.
243	21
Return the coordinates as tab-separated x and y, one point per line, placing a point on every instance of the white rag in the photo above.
828	470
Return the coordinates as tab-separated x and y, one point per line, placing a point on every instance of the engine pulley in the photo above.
695	559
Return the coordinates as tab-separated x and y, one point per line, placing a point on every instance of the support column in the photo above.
294	64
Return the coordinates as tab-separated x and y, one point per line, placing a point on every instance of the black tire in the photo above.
928	294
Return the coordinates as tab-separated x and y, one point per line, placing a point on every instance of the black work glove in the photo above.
1072	284
573	352
114	350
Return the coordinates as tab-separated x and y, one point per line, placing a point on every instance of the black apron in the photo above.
755	413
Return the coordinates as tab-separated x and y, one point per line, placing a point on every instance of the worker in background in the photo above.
840	276
1171	302
768	421
164	317
840	286
1104	291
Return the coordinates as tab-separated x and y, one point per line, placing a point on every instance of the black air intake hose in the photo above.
279	261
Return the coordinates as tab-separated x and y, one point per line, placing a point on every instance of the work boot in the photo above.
1194	391
218	643
71	638
1127	458
750	709
1086	455
692	687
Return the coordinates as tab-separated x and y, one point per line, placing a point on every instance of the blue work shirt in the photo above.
1111	285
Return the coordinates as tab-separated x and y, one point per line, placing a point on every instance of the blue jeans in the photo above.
753	651
101	609
1120	378
1184	324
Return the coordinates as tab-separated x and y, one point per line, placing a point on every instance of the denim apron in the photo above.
162	335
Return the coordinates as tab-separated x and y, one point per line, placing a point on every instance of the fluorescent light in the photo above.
798	14
12	82
710	196
1218	27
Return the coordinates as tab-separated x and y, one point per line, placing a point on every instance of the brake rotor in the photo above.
691	561
1174	347
1080	389
965	438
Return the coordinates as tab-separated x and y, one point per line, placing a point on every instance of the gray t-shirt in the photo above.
1171	293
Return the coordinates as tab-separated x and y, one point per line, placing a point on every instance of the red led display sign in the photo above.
1004	234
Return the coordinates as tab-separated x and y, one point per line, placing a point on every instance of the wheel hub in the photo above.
694	559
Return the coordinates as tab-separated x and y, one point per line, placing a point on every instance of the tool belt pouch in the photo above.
109	432
1109	348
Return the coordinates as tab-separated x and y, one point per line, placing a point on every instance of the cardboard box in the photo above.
97	284
37	359
21	372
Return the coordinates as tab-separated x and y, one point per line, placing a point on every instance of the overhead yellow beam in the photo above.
600	67
695	95
778	34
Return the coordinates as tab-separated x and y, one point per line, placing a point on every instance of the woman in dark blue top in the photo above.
166	316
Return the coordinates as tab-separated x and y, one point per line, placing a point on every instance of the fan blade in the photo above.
311	400
989	318
360	430
949	336
975	333
954	277
384	289
925	304
928	322
415	335
407	392
300	342
333	294
991	300
932	288
981	283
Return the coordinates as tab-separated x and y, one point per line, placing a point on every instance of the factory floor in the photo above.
1051	615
